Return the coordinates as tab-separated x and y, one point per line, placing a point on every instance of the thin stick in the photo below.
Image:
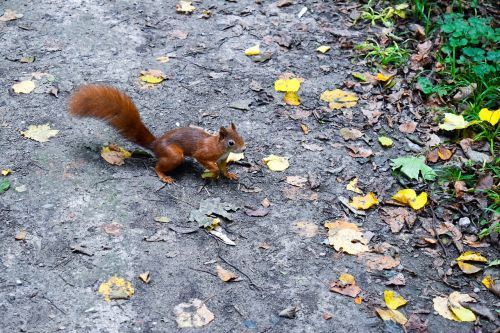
435	232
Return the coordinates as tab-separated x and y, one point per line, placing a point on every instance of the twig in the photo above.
435	232
239	270
202	270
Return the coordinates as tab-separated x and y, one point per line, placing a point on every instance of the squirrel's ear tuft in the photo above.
222	133
233	126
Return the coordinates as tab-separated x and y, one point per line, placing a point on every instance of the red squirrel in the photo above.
118	110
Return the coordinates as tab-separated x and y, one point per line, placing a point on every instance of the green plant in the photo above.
422	10
386	16
391	55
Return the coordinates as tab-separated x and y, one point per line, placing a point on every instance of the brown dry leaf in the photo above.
353	186
422	58
305	229
21	235
396	218
265	203
397	280
298	181
460	188
447	228
327	316
225	275
295	193
113	229
350	133
114	154
305	129
432	156
259	212
485	182
378	262
264	246
408	127
358	152
10	15
179	34
346	237
312	147
346	285
444	153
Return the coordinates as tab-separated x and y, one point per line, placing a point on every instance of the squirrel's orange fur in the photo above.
118	110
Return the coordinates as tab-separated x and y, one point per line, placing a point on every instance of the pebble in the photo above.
464	222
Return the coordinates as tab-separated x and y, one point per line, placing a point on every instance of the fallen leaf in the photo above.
338	99
472	256
253	51
6	172
410	198
219	233
413	166
408	127
291	98
378	262
40	133
179	34
490	116
225	275
145	277
359	152
346	237
312	147
235	157
298	181
323	48
466	145
276	163
287	85
305	229
113	229
385	141
184	7
353	186
383	78
450	308
10	15
393	302
397	280
452	122
305	129
468	268
114	154
358	300
21	235
396	218
327	316
19	189
153	76
364	202
444	153
265	203
4	185
346	285
162	59
290	312
24	87
350	133
296	193
193	314
393	315
259	212
162	219
116	288
212	207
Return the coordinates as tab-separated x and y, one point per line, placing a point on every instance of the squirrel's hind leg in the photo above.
170	158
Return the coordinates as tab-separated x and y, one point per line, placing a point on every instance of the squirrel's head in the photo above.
232	141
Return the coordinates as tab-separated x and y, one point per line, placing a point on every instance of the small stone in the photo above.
464	222
476	290
19	282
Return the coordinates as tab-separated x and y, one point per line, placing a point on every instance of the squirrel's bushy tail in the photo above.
114	107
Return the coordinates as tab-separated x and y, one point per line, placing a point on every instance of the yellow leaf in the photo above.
323	48
234	157
276	163
471	256
338	99
207	174
488	281
419	202
393	315
162	59
490	116
215	223
365	202
393	302
289	85
114	154
450	308
410	198
452	121
116	288
468	268
353	186
6	172
40	133
358	300
24	87
145	277
153	76
291	98
252	51
382	77
346	237
347	278
184	7
385	141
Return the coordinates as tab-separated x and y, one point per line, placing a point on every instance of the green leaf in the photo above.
385	141
412	166
4	185
426	85
495	262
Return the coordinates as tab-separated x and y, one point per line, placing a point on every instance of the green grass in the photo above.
390	56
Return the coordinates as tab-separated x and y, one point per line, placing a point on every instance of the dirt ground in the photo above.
75	200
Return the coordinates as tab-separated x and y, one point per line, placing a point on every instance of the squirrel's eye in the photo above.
231	142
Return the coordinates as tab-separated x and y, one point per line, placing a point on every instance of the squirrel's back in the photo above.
114	107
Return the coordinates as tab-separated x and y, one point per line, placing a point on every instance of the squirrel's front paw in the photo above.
232	176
